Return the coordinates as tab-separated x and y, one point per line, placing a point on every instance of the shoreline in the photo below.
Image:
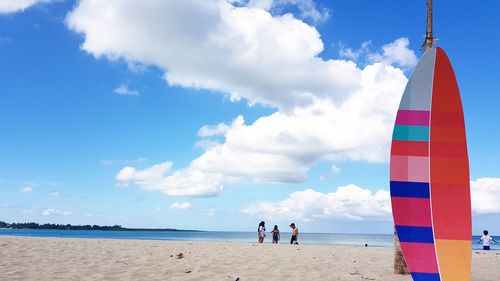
319	239
379	240
266	242
50	258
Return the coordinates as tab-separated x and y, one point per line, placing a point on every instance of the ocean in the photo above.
377	240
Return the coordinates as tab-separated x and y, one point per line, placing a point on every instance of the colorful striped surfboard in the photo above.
430	190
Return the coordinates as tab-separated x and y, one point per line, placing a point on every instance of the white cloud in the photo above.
55	194
355	55
158	209
206	144
349	202
397	53
185	182
12	6
485	195
245	52
356	203
309	10
260	4
123	90
210	131
283	146
327	109
192	182
148	178
55	212
26	189
180	206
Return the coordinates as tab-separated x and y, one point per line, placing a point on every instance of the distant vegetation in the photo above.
34	225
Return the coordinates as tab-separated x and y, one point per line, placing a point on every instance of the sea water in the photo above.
377	240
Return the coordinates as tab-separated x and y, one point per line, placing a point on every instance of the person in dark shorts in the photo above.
486	240
295	234
276	234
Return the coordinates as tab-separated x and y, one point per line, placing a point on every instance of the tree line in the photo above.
34	225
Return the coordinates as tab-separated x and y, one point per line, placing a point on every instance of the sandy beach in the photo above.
32	258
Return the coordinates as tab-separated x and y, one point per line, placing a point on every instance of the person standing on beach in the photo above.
276	234
295	234
261	231
486	240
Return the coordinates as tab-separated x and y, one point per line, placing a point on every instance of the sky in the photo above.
218	114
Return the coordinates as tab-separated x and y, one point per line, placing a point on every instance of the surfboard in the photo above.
429	174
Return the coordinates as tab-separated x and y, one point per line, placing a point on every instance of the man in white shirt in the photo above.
486	240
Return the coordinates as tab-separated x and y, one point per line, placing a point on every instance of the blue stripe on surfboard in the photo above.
410	189
415	234
421	276
410	133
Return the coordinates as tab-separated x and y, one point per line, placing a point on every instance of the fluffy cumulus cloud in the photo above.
325	109
148	178
347	202
283	146
397	53
356	203
245	52
185	182
12	6
180	206
485	193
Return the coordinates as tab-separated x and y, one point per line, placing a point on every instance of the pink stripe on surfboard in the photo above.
409	168
411	211
413	117
420	257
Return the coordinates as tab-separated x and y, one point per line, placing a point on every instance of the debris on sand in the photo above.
355	273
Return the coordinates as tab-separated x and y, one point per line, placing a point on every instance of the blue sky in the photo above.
117	114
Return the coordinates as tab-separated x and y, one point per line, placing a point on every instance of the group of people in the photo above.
261	233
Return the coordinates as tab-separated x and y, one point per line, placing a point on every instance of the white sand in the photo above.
30	258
